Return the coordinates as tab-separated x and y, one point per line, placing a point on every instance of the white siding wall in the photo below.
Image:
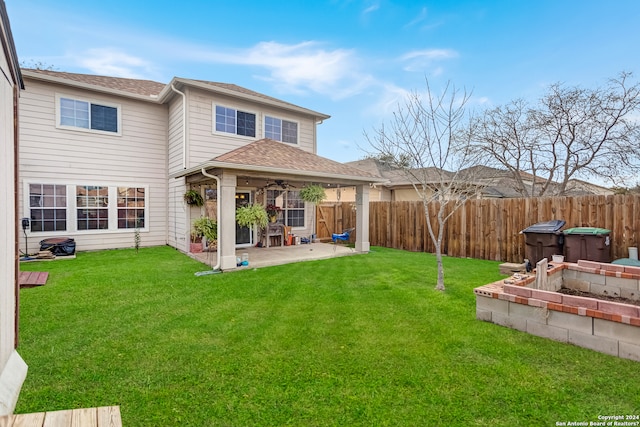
136	158
7	218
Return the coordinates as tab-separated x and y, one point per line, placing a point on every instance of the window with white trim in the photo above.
48	207
87	208
234	121
292	206
77	113
281	130
131	207
92	205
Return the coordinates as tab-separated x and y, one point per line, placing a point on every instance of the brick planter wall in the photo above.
608	327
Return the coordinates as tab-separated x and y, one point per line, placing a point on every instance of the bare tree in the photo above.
572	133
428	139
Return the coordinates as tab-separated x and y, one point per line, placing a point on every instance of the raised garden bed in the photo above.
604	322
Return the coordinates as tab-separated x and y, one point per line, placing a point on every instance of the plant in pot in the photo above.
247	216
313	193
193	197
207	228
273	211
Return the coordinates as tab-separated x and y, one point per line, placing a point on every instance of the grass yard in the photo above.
350	341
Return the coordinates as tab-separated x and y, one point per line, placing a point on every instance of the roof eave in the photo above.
271	170
81	85
166	93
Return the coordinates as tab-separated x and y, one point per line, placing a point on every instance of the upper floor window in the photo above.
234	121
281	130
88	115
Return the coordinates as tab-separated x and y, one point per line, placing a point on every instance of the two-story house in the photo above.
102	157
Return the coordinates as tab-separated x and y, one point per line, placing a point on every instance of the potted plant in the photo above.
207	228
313	193
247	216
273	211
196	242
193	197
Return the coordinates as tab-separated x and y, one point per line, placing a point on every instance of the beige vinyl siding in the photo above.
178	232
136	158
8	222
206	144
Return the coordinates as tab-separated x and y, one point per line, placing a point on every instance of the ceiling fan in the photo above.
280	183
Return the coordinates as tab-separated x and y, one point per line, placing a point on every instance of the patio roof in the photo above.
266	156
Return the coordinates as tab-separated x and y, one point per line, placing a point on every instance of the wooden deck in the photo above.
104	416
29	279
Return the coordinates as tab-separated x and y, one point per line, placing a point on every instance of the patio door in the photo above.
244	235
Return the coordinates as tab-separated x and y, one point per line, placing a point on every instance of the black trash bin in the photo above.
543	240
587	243
63	246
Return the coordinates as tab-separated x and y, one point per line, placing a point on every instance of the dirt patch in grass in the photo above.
578	293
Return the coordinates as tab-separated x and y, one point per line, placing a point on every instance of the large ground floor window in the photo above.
292	206
89	207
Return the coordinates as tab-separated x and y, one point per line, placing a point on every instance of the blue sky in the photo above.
354	60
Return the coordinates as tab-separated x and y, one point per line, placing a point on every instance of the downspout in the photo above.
208	175
184	125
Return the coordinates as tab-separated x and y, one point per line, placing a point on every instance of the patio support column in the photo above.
362	218
227	237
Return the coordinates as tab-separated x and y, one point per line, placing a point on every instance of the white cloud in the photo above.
425	61
299	68
112	62
419	18
372	8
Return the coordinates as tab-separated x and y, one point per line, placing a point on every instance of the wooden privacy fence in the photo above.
487	228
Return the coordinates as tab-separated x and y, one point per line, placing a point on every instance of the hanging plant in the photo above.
193	197
246	216
313	193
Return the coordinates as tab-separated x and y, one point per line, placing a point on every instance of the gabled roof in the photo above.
153	91
146	88
267	155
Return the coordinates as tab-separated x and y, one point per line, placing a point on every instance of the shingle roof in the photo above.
135	86
272	154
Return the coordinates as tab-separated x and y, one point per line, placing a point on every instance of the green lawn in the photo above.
351	341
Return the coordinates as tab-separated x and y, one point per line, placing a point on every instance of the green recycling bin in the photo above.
587	243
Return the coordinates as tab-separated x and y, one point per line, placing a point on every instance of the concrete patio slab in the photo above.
278	255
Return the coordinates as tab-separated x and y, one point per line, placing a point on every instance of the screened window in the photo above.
92	205
280	130
233	121
292	206
87	115
131	207
48	207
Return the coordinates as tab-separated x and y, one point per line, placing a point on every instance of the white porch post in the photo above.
362	218
227	237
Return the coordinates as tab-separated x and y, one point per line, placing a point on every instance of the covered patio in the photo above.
268	172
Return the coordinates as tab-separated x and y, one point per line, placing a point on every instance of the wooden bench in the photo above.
104	416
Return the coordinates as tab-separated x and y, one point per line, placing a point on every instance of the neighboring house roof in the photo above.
267	155
394	177
160	92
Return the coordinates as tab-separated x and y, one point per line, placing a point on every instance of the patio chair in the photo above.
344	236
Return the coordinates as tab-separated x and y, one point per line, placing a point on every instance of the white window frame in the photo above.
72	207
284	213
90	101
280	137
236	109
